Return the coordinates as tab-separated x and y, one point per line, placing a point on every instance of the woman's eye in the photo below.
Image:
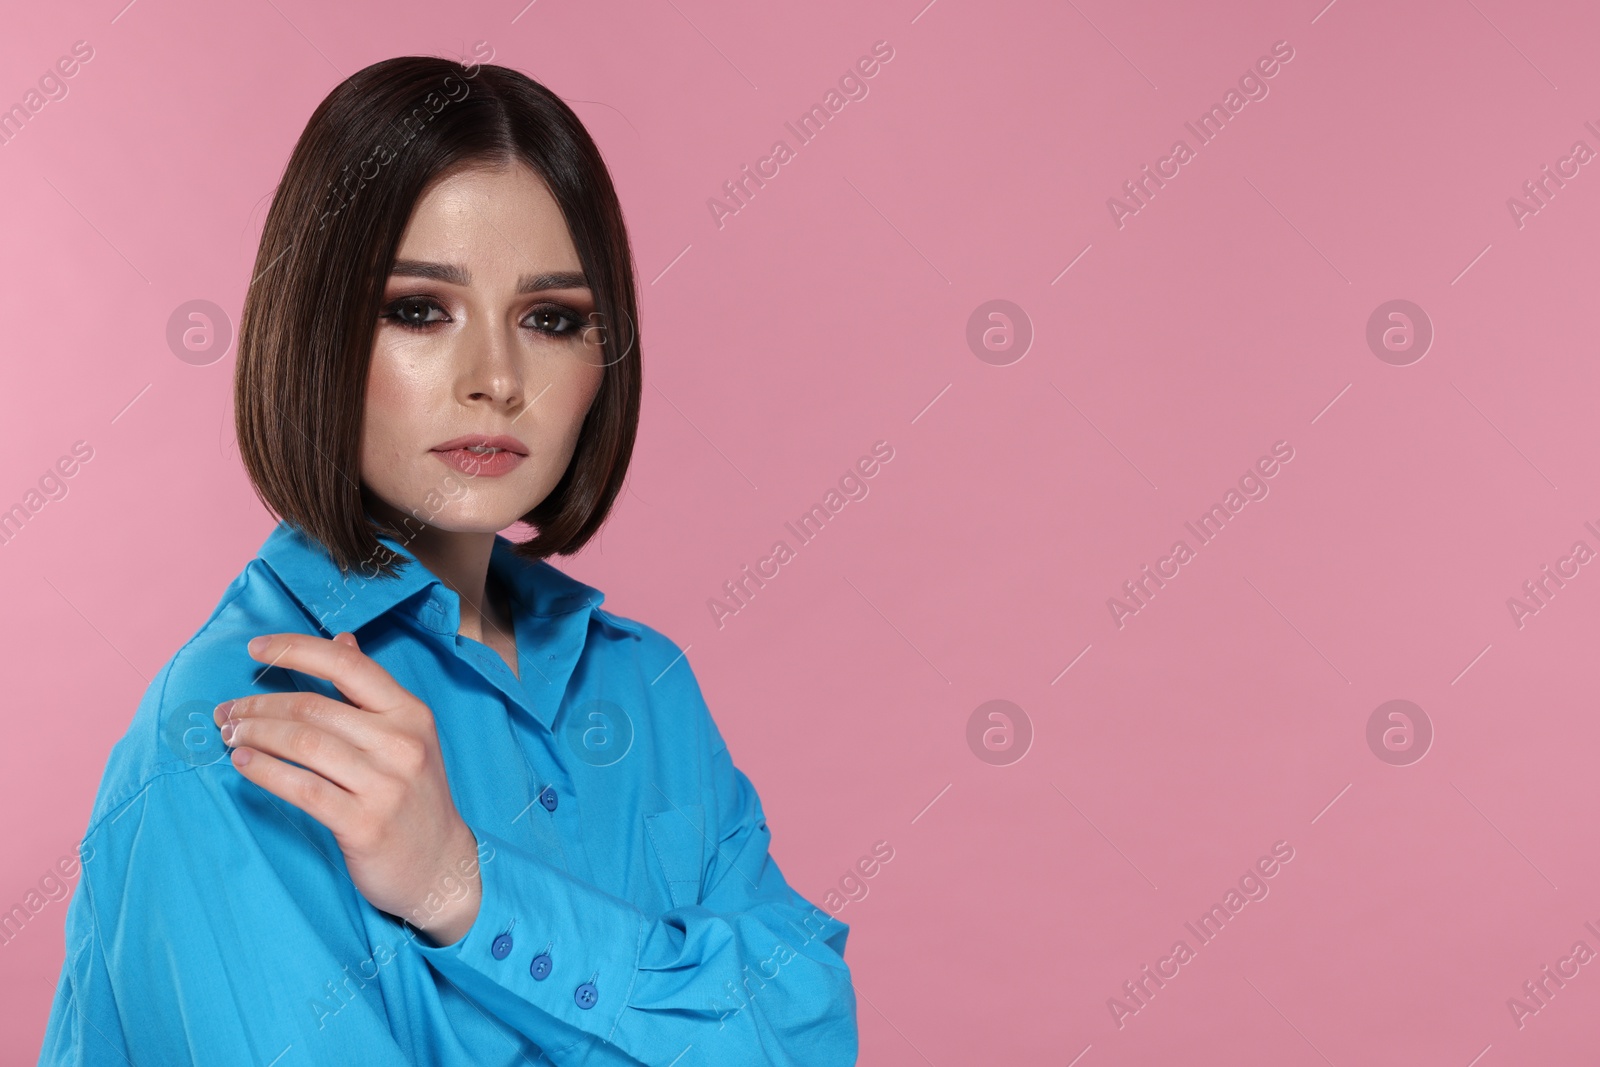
417	313
413	313
556	321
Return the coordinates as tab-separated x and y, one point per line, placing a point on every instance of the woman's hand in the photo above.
371	771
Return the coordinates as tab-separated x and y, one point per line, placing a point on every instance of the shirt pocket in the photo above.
677	840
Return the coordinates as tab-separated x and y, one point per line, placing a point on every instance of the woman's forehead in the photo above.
499	222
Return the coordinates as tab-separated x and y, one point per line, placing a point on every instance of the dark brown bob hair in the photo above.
369	151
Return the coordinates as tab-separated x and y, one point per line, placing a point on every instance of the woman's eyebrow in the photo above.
457	275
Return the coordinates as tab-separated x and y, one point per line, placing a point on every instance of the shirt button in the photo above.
500	947
540	968
586	995
548	798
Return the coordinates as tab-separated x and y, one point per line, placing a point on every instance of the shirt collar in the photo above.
346	602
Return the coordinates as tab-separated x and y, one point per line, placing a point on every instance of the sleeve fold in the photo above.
206	928
751	973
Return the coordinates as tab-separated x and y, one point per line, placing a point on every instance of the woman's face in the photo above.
485	336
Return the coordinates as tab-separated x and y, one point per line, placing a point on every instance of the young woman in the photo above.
409	795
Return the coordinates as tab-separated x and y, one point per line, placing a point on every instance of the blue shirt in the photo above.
630	910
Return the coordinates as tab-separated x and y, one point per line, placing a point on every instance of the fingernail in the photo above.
221	712
256	645
227	733
241	757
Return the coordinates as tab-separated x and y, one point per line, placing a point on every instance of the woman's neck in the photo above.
460	559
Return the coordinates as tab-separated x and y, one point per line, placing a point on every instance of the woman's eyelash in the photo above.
392	312
569	321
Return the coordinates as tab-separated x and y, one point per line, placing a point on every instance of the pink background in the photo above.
830	313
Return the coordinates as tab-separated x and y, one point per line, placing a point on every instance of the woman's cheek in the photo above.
390	405
399	397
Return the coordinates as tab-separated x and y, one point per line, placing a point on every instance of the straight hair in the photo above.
368	153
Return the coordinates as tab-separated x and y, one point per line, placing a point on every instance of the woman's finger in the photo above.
363	730
358	678
313	794
325	754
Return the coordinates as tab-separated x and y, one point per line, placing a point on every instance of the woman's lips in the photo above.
480	464
505	442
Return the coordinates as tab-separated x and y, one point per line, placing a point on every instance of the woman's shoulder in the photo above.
632	638
171	730
548	590
619	646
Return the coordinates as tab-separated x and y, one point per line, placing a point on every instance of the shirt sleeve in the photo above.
752	973
84	1027
208	929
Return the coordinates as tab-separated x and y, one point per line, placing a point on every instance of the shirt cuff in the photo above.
546	948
